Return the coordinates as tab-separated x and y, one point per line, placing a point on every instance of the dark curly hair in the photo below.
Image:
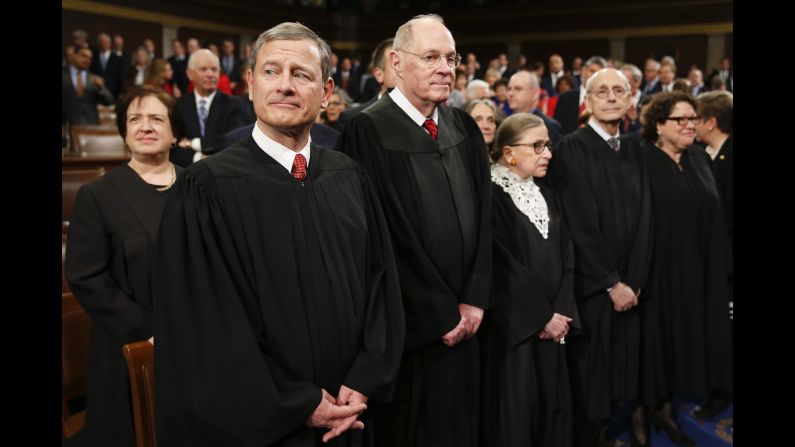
659	110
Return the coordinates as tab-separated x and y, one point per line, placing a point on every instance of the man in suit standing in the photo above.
571	105
696	82
651	81
208	113
179	63
523	93
550	80
725	73
230	63
107	64
81	91
383	73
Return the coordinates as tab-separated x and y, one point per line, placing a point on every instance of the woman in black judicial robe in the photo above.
687	343
525	380
108	254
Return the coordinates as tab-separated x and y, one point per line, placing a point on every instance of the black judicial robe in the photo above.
605	203
109	252
268	290
437	201
687	340
525	383
723	171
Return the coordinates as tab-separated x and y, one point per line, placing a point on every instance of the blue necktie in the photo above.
202	114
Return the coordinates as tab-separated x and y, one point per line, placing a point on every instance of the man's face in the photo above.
521	96
555	64
666	74
118	42
287	85
634	85
503	59
588	71
82	59
193	46
695	77
346	64
576	63
420	81
177	48
228	48
725	64
205	73
386	76
613	105
650	72
103	42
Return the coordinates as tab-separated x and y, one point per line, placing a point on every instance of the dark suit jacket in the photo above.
728	81
113	73
180	72
353	83
348	114
234	75
567	111
321	135
225	114
553	127
546	84
81	110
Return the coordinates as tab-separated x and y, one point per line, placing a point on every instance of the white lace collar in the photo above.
526	195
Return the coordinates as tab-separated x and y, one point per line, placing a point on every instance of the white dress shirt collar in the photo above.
602	133
410	110
208	99
283	155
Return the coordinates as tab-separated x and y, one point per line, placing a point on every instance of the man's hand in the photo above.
623	297
96	80
557	327
335	417
184	142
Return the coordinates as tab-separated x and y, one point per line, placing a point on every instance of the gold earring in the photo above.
512	162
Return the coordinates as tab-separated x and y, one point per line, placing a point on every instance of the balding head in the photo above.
203	70
555	63
523	92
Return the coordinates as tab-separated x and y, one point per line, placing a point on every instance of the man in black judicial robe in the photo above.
604	191
277	306
437	202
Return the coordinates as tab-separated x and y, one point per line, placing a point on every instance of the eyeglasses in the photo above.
538	146
335	103
430	60
682	120
618	92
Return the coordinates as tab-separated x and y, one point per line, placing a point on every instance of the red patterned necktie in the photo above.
299	168
430	126
582	109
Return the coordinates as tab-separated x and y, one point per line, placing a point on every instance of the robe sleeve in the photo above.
594	262
521	307
431	308
639	265
375	369
565	302
90	256
214	383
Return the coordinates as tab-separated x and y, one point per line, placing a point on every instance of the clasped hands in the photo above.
340	414
556	329
623	297
467	327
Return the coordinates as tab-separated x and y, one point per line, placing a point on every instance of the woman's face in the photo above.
461	83
141	58
168	72
486	121
501	93
528	163
335	107
148	127
674	136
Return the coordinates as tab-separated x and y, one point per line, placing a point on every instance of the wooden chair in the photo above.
141	365
75	342
71	181
97	140
107	115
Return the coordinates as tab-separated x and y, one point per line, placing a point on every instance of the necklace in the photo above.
173	179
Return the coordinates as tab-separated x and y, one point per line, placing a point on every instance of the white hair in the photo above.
474	85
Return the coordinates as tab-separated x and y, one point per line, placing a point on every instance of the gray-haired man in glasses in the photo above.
428	163
604	191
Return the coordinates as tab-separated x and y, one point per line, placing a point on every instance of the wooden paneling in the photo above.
206	37
568	50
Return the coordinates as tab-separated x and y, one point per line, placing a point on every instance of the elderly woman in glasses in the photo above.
484	112
687	343
526	394
337	104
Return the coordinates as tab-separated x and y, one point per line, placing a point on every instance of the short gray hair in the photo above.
636	73
598	60
294	31
192	61
477	83
404	37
